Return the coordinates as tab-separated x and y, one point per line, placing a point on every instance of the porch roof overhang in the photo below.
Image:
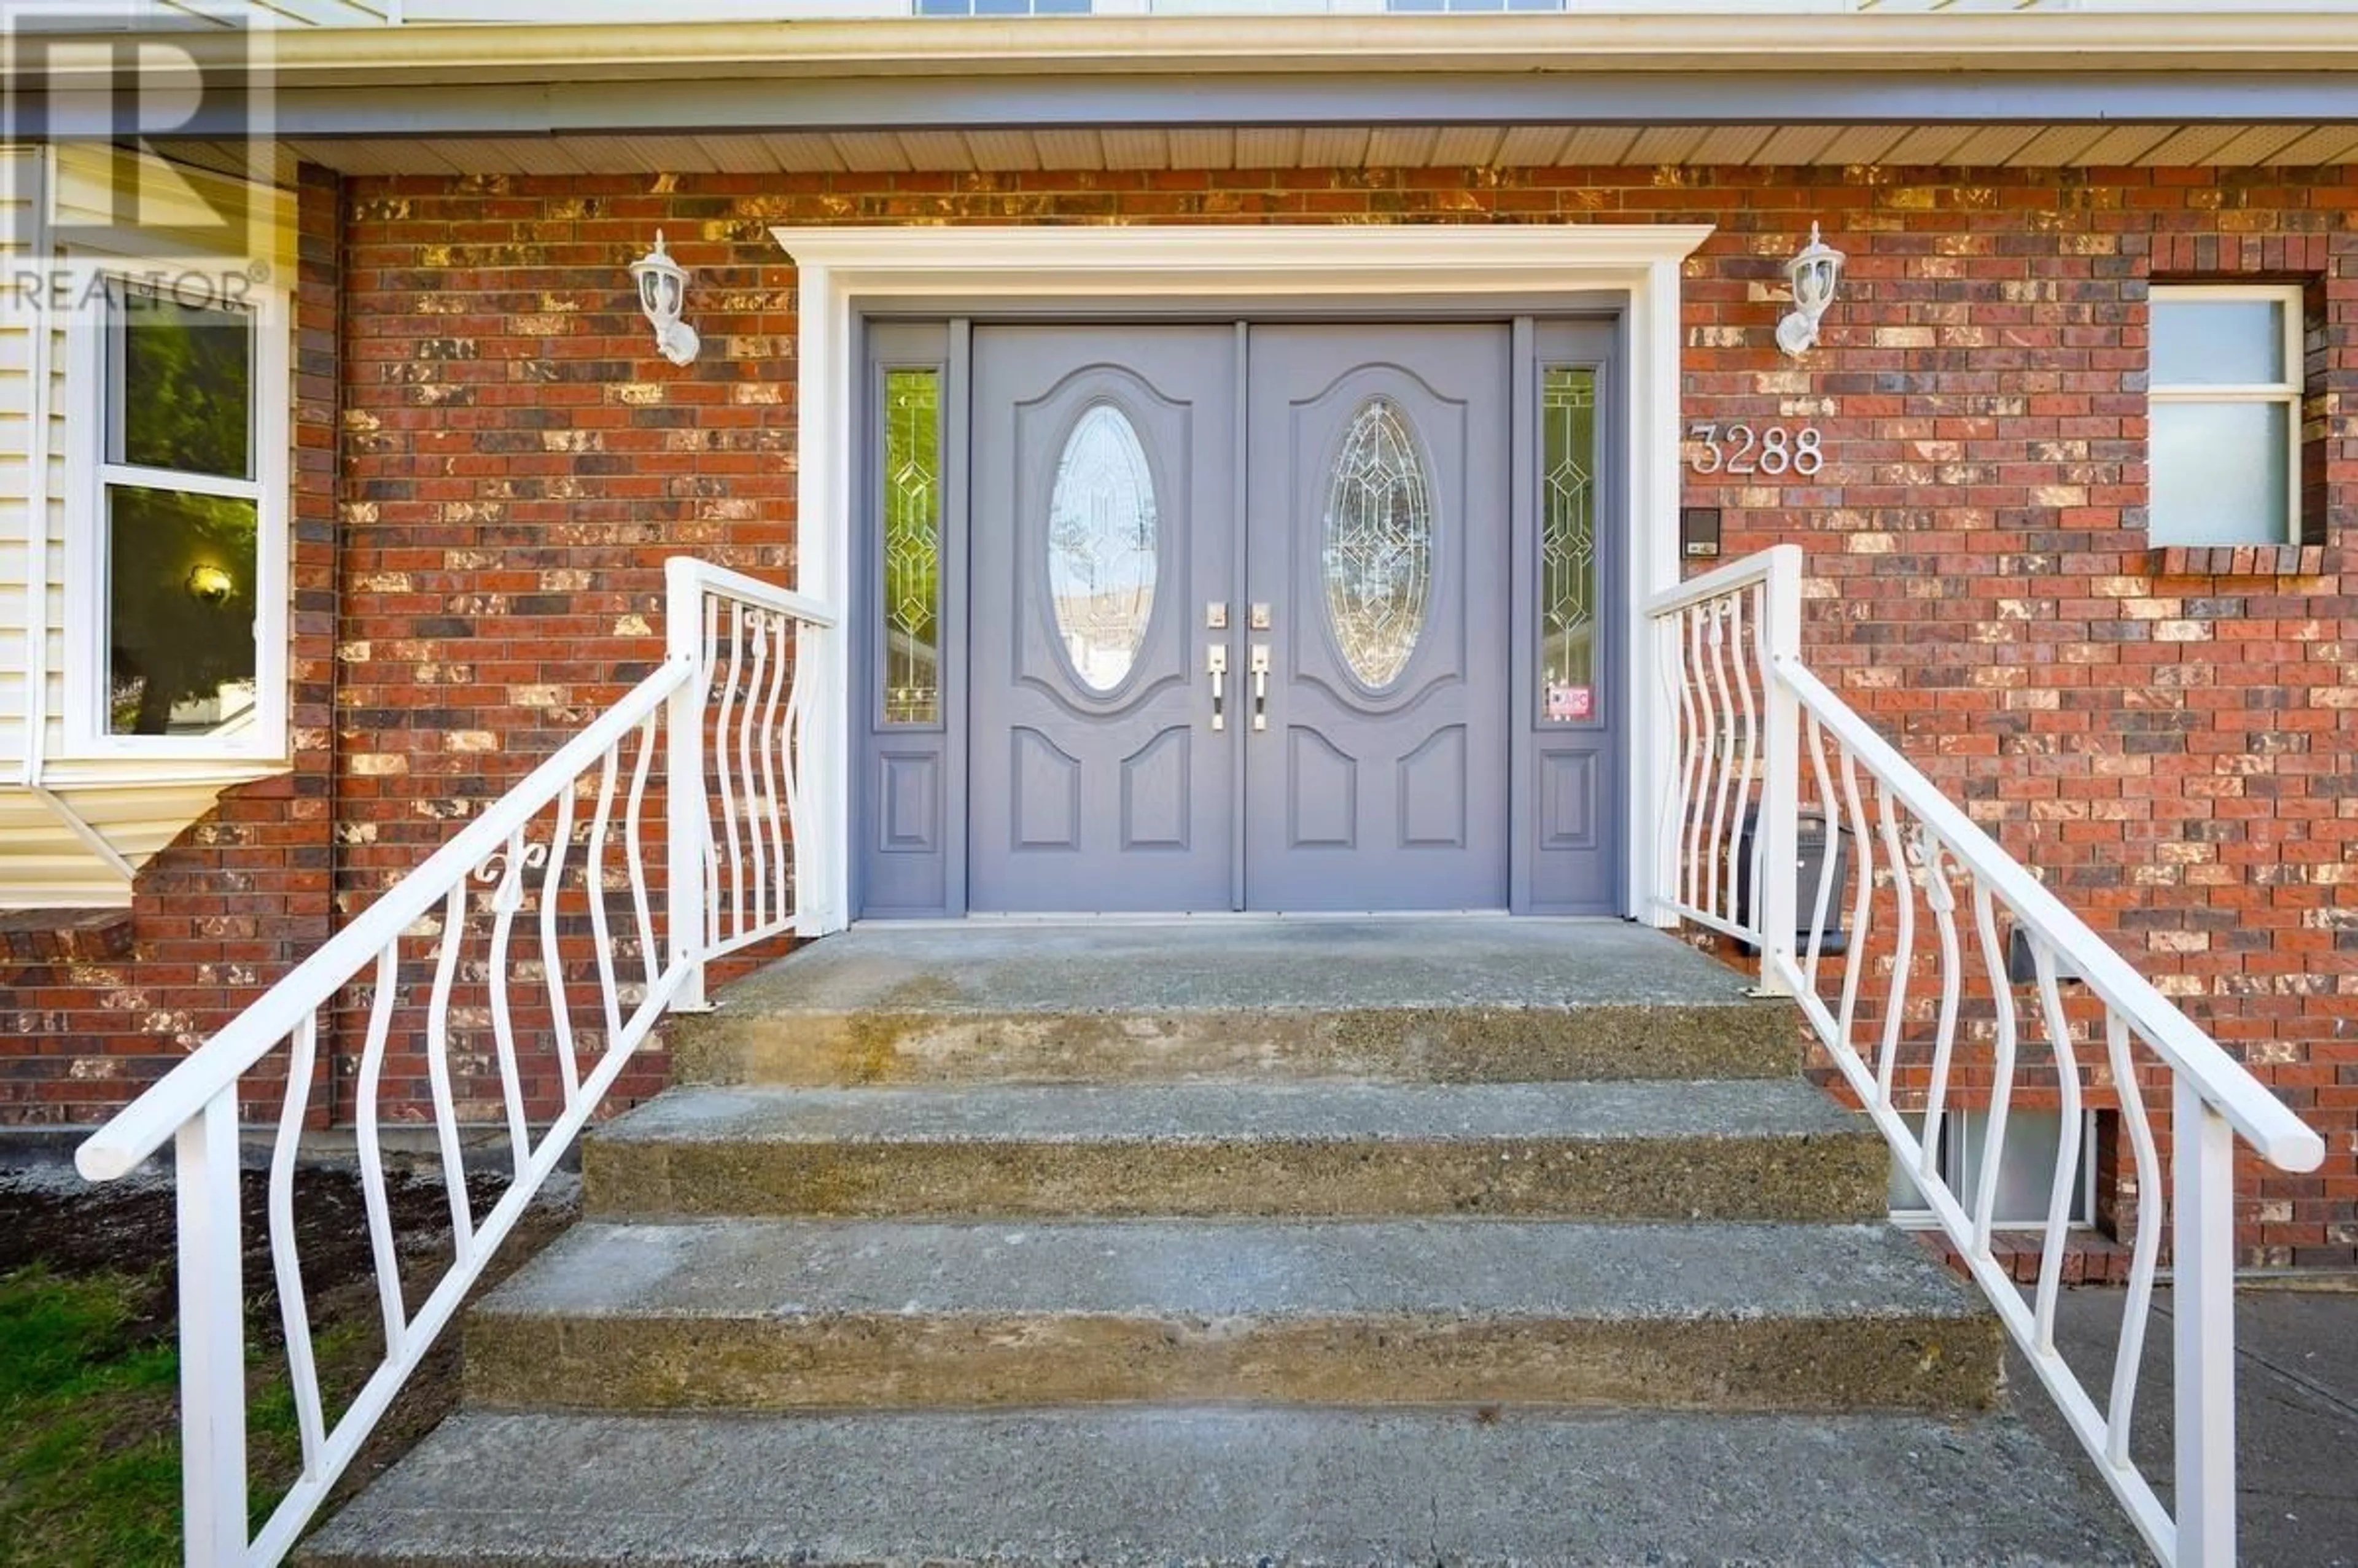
1577	72
985	151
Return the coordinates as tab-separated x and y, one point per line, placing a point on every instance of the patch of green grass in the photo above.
89	1453
89	1462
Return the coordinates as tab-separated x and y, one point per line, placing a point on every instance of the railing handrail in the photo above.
149	1122
683	574
1717	583
2263	1121
2281	1137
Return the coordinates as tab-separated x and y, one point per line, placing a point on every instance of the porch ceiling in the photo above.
1324	146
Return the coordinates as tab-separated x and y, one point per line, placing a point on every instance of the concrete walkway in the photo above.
2297	1403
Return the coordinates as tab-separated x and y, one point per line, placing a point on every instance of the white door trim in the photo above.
841	269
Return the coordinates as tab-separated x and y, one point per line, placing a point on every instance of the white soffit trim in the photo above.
1306	258
840	268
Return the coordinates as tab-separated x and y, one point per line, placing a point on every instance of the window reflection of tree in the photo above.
181	567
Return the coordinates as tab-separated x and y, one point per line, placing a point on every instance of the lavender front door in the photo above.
1239	609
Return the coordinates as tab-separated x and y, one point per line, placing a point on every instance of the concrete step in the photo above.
775	1314
1244	1487
1439	1000
1744	1150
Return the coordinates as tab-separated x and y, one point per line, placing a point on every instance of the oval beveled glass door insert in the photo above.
1377	555
1102	540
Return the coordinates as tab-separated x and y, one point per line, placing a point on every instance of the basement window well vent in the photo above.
2025	1172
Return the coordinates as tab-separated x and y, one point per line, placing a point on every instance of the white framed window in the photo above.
175	527
2026	1169
2223	435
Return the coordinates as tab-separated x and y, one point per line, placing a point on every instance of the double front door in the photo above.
1239	618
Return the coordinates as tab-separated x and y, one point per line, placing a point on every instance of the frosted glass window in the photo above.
912	491
1377	555
2232	342
1102	539
2220	473
2026	1167
2225	415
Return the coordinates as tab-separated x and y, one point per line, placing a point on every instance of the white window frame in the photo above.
2288	391
92	392
1951	1160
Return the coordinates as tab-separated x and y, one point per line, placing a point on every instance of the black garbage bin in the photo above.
1809	851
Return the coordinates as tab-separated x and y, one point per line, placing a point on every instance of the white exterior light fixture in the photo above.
662	291
1813	275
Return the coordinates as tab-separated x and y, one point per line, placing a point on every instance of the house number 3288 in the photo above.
1741	449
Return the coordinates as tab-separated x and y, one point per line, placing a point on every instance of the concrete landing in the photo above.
1458	999
1743	1150
778	1315
1245	1487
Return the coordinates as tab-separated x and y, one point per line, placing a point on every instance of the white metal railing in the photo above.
437	964
1942	933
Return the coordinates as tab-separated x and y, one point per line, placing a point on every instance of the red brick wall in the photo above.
2179	752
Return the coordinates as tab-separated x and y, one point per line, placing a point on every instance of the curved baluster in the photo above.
651	952
735	925
757	839
1826	858
1943	900
790	745
2144	1251
712	762
1903	947
774	634
1724	758
608	988
552	951
2068	1147
1689	749
373	1198
507	898
437	1067
2001	1072
1855	946
1756	842
294	1314
1706	758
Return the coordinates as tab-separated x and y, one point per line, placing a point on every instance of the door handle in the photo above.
1216	664
1260	685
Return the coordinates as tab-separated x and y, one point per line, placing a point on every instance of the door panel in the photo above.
1377	532
1101	471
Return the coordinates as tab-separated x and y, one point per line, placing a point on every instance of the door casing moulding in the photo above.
843	270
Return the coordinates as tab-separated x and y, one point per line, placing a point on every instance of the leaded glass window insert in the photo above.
1102	540
1378	544
1568	571
911	490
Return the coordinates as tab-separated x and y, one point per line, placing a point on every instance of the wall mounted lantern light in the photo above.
662	292
1814	274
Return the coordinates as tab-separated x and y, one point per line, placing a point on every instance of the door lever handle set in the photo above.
1216	664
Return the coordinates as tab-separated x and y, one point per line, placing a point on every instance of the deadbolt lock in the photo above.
1260	617
1215	616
